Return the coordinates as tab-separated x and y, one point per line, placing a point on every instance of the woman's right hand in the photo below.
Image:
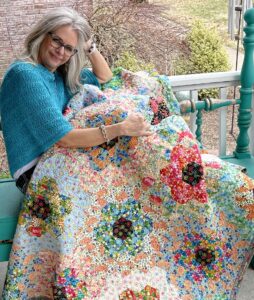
135	125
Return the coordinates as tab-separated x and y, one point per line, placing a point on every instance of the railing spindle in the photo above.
223	124
193	117
199	122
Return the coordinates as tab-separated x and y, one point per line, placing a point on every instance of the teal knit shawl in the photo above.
32	100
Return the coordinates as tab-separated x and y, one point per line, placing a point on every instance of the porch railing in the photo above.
192	84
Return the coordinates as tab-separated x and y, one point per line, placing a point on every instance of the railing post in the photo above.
246	90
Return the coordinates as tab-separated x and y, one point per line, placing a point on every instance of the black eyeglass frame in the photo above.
61	44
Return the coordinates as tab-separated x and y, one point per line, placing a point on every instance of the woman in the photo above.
37	87
139	218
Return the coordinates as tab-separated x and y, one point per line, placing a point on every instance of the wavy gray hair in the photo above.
52	21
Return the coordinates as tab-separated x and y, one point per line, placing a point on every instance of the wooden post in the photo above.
193	117
247	81
237	8
223	124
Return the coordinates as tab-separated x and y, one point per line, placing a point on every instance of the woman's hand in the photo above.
100	67
88	44
135	125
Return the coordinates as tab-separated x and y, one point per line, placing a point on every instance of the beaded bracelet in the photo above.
104	133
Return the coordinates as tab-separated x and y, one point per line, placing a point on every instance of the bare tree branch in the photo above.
137	26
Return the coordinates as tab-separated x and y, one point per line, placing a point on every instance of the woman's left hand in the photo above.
88	44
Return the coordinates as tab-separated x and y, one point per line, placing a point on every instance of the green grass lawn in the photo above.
214	13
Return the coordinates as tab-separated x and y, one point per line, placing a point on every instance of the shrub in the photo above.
207	54
129	61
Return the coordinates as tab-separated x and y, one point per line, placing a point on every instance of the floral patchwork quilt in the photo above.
144	218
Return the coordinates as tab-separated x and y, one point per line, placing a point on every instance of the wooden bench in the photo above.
11	197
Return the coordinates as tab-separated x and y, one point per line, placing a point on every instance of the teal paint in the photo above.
246	91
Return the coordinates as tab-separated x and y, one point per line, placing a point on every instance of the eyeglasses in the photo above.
58	43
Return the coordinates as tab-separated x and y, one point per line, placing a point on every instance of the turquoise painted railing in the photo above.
190	106
246	91
191	84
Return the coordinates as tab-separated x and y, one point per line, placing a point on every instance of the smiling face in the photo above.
51	57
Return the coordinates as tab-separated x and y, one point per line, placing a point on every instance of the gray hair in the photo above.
53	20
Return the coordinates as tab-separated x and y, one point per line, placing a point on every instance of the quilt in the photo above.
148	218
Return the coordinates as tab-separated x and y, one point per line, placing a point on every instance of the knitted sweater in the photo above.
32	100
